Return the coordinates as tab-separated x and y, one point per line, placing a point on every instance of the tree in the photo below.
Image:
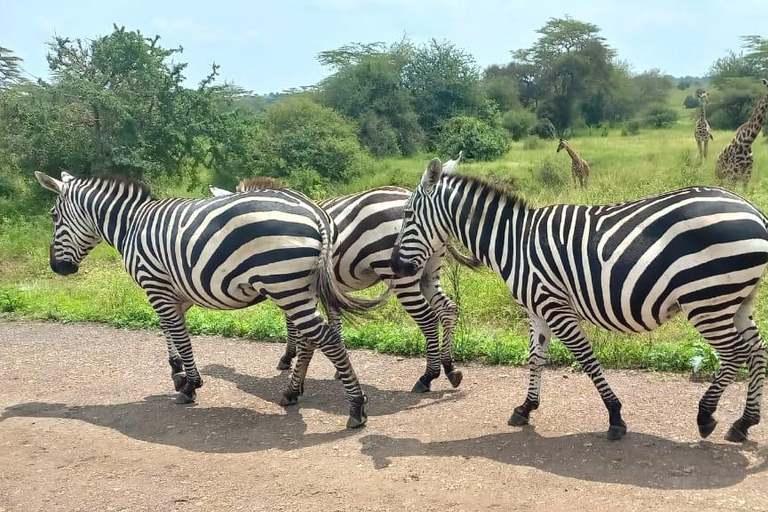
565	73
10	68
444	82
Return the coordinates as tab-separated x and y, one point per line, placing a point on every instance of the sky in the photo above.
272	46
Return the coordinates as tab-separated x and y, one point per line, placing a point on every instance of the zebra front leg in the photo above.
178	375
175	328
569	332
415	304
539	337
447	311
290	346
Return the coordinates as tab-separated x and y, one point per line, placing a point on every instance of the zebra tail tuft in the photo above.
328	290
467	261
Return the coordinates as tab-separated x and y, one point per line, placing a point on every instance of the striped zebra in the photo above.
627	267
368	223
218	253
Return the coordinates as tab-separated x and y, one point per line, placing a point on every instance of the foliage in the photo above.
297	135
691	101
544	129
477	139
631	128
519	123
10	68
734	102
660	116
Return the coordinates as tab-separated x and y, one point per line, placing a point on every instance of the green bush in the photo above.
518	123
631	128
297	133
544	129
378	136
691	101
660	116
477	139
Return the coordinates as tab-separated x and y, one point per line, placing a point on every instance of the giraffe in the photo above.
579	166
735	162
703	133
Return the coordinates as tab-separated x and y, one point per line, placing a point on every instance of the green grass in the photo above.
491	329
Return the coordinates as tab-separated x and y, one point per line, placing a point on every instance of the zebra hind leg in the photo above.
728	342
570	333
290	347
296	386
756	363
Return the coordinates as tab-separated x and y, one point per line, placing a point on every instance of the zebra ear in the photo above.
431	175
51	184
219	192
66	177
450	165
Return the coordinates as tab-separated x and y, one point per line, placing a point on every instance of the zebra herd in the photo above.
626	267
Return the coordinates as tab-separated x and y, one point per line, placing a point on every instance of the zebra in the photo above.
368	223
218	253
626	267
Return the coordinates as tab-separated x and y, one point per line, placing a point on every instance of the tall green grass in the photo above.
491	328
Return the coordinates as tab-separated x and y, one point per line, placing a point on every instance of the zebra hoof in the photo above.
337	375
616	432
289	398
517	419
455	378
282	365
179	380
420	387
184	398
357	417
734	435
707	428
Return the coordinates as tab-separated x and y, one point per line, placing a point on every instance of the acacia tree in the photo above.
10	68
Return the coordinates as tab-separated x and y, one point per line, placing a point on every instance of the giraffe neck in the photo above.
702	110
755	122
573	154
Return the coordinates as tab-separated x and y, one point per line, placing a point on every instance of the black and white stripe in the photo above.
627	267
368	224
220	253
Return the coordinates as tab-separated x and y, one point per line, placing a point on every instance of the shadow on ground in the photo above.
639	459
328	395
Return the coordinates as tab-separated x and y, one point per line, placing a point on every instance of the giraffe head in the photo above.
562	145
703	96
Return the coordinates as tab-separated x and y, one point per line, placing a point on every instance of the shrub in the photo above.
544	129
532	143
297	133
660	116
478	140
631	128
518	123
550	175
691	101
378	135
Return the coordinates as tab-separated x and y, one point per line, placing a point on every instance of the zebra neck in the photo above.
115	216
490	223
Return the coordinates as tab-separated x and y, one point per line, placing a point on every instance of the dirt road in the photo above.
88	423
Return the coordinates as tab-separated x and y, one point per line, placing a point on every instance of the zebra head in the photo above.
422	232
74	232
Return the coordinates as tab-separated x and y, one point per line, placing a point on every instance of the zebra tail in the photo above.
470	262
328	290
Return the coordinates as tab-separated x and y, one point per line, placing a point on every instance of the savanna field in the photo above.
491	327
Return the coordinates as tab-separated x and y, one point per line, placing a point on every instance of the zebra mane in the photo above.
494	186
112	178
259	183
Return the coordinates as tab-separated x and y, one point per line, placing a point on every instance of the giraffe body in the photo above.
579	166
735	161
703	132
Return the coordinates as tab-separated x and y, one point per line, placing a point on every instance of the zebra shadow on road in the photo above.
327	395
157	419
639	459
